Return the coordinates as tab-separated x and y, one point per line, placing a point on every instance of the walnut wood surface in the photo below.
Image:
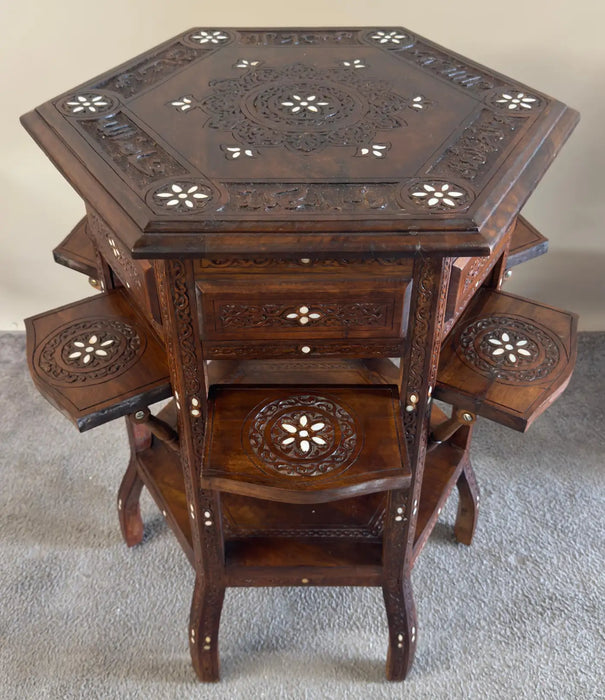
508	358
76	251
526	243
304	443
394	115
299	205
96	360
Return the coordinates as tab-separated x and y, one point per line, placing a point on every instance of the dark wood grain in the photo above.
297	206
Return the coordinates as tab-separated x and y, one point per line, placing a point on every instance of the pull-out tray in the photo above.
96	359
507	358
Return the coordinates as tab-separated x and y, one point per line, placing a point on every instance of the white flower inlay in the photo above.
504	345
303	434
444	195
114	247
183	103
233	152
418	102
354	63
303	316
176	195
204	37
87	103
86	352
304	104
389	37
245	63
517	101
378	150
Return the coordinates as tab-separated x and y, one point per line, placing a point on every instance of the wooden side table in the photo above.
299	206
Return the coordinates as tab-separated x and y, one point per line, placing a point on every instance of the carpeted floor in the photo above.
520	614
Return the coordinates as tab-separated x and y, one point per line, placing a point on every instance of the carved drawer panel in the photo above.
288	314
306	264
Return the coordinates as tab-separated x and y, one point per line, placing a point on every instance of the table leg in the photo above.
401	618
468	504
206	608
129	511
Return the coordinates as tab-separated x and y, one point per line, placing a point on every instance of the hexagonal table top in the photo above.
339	138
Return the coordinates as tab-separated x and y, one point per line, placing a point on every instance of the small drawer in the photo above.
263	309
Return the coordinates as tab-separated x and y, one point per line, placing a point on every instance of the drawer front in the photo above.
310	312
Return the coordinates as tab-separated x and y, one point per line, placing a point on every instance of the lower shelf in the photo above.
353	557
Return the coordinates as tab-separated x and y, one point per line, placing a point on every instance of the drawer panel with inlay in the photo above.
285	309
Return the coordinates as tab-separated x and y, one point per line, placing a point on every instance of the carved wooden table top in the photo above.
301	132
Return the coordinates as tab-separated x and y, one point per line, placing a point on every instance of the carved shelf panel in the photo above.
307	444
507	358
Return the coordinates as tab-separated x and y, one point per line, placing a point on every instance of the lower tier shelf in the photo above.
325	544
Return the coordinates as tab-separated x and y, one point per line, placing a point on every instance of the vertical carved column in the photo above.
188	375
418	375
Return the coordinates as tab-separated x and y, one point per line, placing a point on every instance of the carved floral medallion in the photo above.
89	352
303	435
511	349
302	107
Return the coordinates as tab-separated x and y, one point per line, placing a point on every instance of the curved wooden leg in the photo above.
401	618
204	622
468	505
129	511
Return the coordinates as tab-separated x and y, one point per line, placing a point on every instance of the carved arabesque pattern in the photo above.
253	107
58	367
263	436
476	349
132	150
310	197
115	253
151	69
368	348
321	314
478	146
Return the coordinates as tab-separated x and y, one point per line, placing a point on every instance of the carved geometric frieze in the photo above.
513	350
303	435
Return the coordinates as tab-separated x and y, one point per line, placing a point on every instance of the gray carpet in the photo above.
517	615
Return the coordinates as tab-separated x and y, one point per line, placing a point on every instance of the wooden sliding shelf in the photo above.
271	217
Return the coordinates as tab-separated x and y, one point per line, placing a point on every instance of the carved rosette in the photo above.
438	195
394	39
208	38
89	352
511	349
304	435
180	197
88	104
514	101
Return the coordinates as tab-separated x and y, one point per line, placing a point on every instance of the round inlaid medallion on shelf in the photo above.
304	435
514	350
89	352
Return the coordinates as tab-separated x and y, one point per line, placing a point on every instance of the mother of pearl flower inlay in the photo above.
504	345
302	433
86	352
